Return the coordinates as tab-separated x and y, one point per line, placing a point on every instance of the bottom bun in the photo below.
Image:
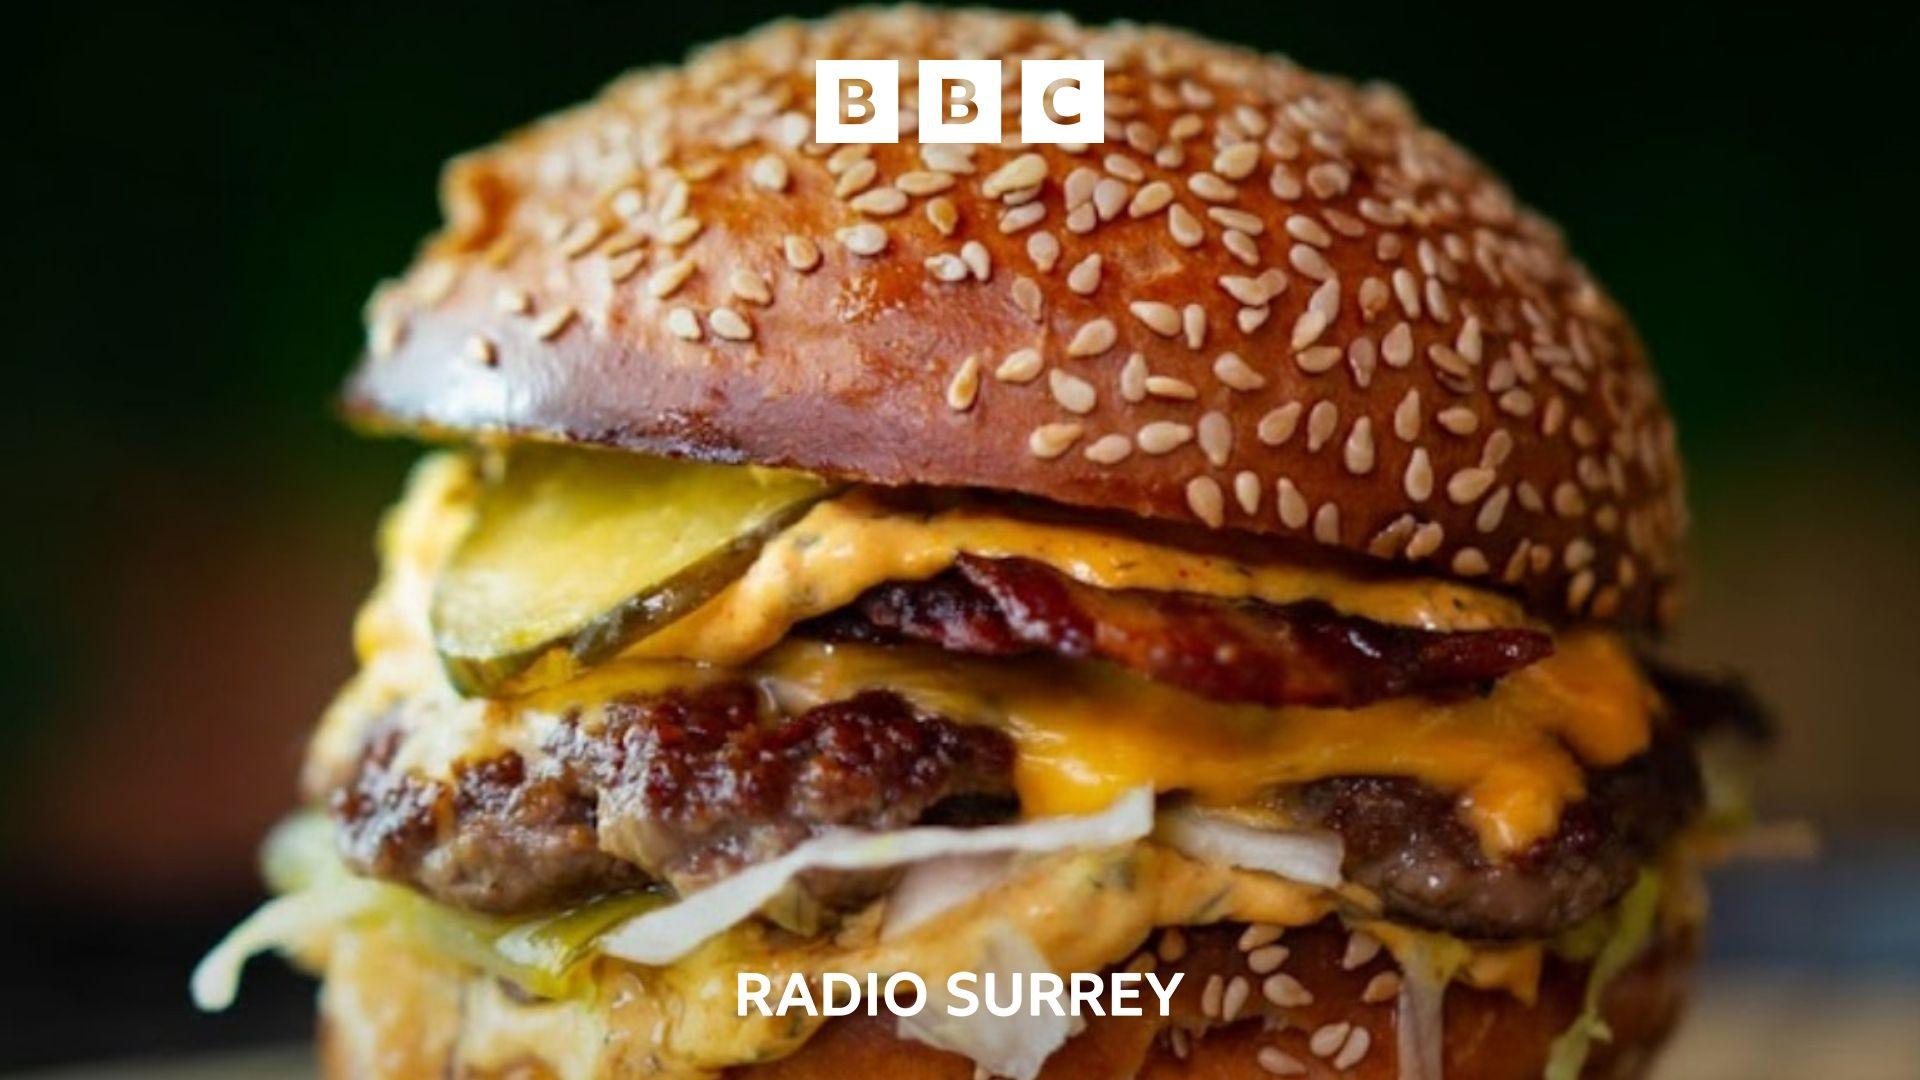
388	1012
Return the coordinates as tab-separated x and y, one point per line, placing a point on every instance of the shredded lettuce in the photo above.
1632	928
544	955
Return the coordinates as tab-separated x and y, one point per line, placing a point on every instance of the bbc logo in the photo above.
858	101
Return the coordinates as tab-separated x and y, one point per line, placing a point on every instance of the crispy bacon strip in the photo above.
1293	654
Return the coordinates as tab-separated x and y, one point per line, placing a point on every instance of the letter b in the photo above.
856	101
959	101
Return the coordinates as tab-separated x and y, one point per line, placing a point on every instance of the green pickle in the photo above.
587	551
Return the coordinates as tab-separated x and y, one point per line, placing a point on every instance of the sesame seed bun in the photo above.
1270	301
390	1012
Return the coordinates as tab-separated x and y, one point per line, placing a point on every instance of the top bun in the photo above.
1270	301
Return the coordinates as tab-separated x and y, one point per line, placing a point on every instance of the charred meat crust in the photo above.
498	838
682	788
695	786
1293	654
1408	843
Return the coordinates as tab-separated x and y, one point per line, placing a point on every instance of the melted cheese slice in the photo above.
847	545
1084	732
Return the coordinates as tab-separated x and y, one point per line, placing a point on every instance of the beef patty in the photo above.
1270	654
1409	844
683	787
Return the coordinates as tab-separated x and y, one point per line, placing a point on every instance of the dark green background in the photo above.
202	199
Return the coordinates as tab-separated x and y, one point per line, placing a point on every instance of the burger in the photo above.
1234	550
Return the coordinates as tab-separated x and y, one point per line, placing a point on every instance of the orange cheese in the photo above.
1084	732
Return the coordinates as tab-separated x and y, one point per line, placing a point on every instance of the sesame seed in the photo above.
1469	484
1362	947
944	216
1172	945
1470	562
1184	227
1459	420
1092	338
1258	934
1215	433
1110	449
1237	162
801	253
683	323
750	287
1236	373
1278	1062
667	280
1318	360
1278	426
1049	441
1418	481
880	202
549	326
1492	510
1026	296
1247	290
1020	366
1381	988
1267	959
974	254
1044	249
1328	179
769	172
947	267
1285	991
481	349
923	182
865	238
1327	1039
1355	1048
1241	225
1160	318
1210	996
1084	278
1246	491
1211	188
1074	394
581	236
730	324
679	231
1309	261
1321	422
1425	540
1133	378
1359	449
1207	501
1163	436
622	267
1022	172
965	387
1193	320
1326	523
1301	227
1308	328
1397	347
1235	997
855	179
1568	501
1250	319
1150	199
1166	386
512	301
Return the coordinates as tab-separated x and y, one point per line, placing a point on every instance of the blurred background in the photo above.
204	199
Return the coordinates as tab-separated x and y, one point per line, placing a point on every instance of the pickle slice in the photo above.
587	551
